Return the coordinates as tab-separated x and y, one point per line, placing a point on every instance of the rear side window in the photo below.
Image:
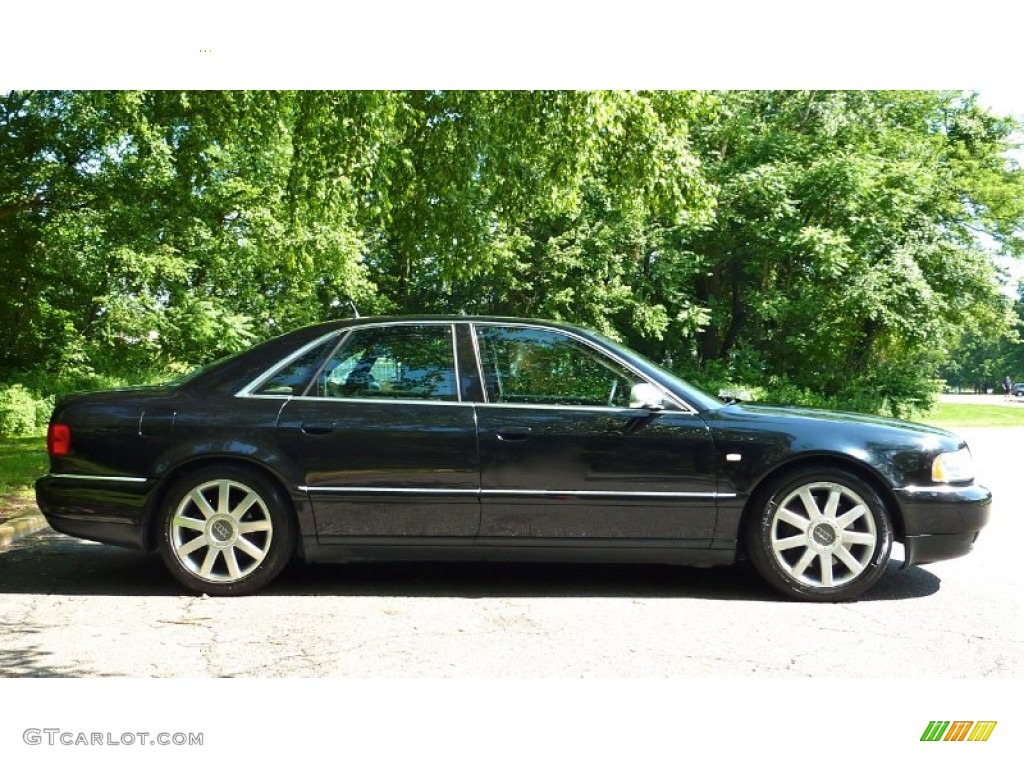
293	377
405	362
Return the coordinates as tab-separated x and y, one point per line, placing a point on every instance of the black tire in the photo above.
225	530
820	535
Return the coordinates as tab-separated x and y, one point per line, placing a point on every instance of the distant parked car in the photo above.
1018	389
441	438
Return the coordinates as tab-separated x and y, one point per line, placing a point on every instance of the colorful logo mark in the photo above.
959	730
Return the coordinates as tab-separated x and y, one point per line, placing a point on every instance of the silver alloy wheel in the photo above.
823	535
221	531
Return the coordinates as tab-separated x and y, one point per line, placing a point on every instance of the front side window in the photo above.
544	367
392	362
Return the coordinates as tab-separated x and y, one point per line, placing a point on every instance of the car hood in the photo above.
814	428
838	417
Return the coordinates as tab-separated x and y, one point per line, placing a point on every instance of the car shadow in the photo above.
55	564
545	580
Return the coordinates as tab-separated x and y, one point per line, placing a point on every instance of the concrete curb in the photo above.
19	527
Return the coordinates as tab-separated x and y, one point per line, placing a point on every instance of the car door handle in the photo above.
513	434
317	427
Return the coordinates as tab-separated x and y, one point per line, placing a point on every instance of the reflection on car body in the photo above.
439	438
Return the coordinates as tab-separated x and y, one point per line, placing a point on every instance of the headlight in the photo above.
953	467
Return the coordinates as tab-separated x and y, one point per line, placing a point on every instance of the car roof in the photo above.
442	318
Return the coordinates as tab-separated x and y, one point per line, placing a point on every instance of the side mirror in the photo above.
646	396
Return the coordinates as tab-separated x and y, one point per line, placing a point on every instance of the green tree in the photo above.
819	246
843	259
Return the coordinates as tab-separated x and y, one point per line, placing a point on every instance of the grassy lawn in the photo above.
22	460
973	415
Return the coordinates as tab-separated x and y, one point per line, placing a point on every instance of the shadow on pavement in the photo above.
31	660
55	564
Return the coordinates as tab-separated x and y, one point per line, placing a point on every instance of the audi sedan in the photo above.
443	438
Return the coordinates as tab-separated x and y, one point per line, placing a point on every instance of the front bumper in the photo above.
108	510
942	522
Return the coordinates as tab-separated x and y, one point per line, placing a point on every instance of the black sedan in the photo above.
440	438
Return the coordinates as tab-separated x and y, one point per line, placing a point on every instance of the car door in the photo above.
385	445
564	458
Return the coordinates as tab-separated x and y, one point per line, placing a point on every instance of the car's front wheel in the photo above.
225	531
820	535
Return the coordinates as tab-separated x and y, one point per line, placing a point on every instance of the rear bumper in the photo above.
104	509
942	522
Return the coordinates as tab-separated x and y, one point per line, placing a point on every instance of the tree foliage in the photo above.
819	246
844	259
988	352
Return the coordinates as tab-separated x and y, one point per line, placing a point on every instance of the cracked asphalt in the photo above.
71	608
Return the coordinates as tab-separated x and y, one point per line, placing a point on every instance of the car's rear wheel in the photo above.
820	535
225	531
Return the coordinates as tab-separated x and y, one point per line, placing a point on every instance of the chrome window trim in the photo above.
344	333
514	406
520	492
102	478
598	408
684	406
247	390
402	401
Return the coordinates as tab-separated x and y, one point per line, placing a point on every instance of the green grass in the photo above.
973	415
22	460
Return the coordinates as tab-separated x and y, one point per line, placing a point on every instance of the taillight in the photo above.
58	440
